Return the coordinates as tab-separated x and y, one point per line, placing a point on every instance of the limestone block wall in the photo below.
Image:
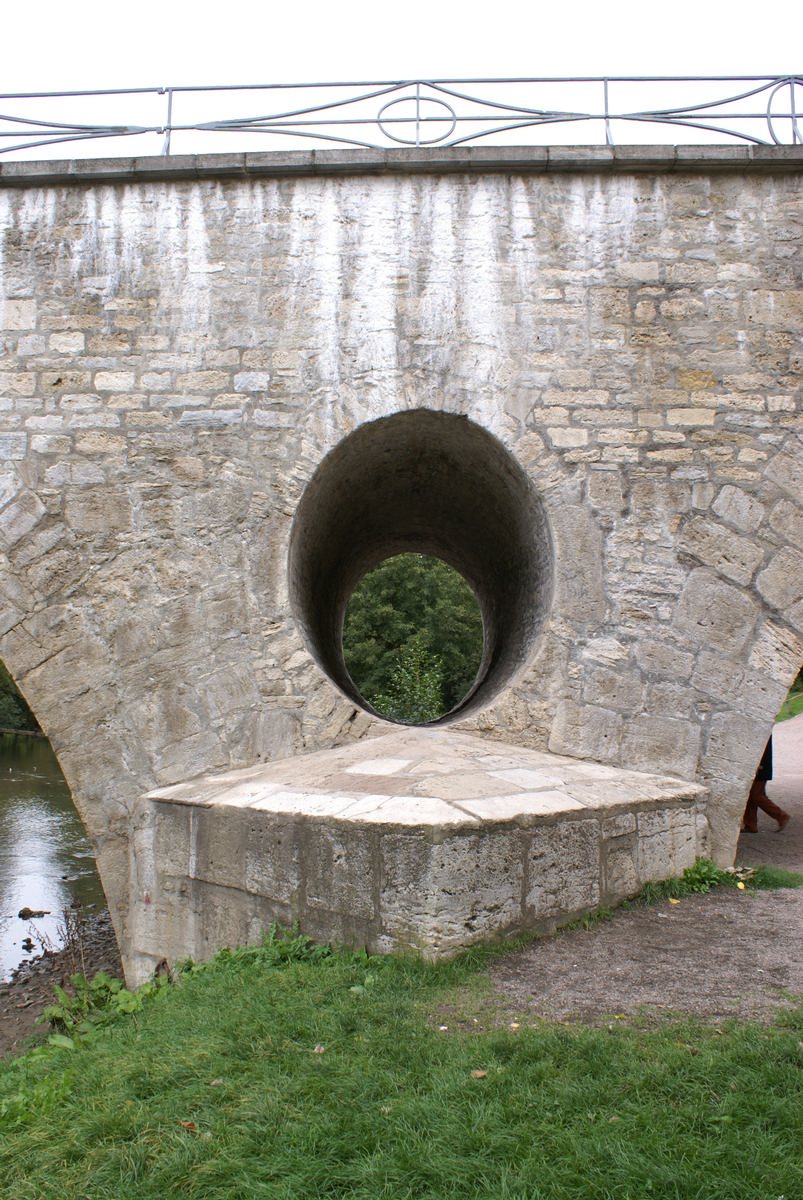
221	876
182	346
428	840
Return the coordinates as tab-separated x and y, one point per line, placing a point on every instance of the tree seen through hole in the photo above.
413	638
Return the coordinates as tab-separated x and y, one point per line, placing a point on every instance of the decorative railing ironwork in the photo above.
764	110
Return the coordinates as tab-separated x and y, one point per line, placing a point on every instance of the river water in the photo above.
46	861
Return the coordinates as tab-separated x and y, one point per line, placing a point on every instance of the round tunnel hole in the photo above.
434	484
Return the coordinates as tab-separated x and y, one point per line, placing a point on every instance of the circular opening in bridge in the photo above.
412	638
428	483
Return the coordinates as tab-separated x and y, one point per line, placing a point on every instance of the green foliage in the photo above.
793	704
26	1095
793	707
277	948
415	691
704	875
92	1005
767	878
14	711
416	602
590	920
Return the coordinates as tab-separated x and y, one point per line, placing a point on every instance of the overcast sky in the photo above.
99	44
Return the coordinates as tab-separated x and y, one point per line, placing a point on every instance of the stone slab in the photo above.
420	160
456	840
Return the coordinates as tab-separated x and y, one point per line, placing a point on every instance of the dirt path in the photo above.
725	954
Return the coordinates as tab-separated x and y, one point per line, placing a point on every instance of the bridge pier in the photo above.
417	840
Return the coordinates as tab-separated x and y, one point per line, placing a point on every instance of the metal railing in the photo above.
763	110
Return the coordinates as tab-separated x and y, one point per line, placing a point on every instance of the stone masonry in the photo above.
184	343
424	840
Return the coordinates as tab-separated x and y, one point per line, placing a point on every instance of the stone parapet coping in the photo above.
433	161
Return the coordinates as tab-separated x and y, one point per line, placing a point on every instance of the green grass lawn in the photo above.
792	707
332	1077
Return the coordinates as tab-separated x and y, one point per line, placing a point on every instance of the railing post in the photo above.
608	138
795	130
168	126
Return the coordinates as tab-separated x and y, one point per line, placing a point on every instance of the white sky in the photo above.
99	44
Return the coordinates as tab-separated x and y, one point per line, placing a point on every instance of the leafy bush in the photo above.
14	711
93	1004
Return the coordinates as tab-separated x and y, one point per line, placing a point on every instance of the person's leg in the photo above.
771	808
750	818
758	798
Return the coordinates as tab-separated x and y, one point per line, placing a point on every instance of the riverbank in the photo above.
47	863
30	987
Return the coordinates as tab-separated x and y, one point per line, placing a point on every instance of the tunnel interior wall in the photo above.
181	356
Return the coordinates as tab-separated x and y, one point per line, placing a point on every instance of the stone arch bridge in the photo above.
229	386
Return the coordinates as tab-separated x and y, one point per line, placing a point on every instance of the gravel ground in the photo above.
725	954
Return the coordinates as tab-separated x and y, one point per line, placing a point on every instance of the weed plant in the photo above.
704	875
697	879
288	1071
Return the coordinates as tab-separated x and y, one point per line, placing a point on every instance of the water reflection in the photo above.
46	861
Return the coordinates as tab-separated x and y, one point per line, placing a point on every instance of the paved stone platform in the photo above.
420	839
